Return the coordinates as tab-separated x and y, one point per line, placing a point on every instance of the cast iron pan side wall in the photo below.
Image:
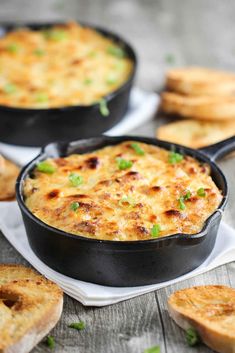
119	263
37	127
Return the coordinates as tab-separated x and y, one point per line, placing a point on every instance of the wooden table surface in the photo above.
194	32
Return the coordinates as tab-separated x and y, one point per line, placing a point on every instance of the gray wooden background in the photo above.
192	32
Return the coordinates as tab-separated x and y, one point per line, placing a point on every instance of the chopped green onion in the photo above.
55	34
170	59
46	167
127	200
155	349
50	341
111	79
201	192
13	48
124	163
116	51
155	230
104	110
74	206
75	179
88	81
181	203
137	149
192	337
42	98
9	88
39	52
187	195
175	157
78	325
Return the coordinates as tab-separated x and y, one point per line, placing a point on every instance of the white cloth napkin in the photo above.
90	294
142	107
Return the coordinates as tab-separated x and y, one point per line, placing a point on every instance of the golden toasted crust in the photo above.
8	175
124	204
210	310
196	134
30	306
61	66
198	81
201	107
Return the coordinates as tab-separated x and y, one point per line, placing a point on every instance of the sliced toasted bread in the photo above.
8	175
196	134
210	310
200	81
201	108
30	306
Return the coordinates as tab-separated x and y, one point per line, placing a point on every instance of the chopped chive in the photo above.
187	195
155	230
124	163
192	337
201	192
39	52
75	179
116	51
181	203
55	34
170	58
155	349
46	167
74	206
13	48
104	110
78	325
175	157
126	200
137	149
9	88
88	81
42	98
50	341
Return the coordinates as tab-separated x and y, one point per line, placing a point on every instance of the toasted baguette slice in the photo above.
196	134
210	310
8	175
201	108
198	81
30	306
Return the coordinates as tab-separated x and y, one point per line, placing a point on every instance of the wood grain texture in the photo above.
195	32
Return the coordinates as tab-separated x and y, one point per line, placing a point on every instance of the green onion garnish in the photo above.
124	163
75	179
88	81
55	34
187	195
42	98
137	149
155	230
155	349
116	51
9	88
78	325
46	167
126	200
104	110
50	341
192	337
13	48
111	79
74	206
201	192
39	52
170	59
175	157
181	203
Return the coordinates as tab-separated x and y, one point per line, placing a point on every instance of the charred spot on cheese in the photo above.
123	204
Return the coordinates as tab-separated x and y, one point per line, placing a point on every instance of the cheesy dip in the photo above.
129	191
64	65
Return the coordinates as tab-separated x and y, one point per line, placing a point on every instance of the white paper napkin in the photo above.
142	107
91	294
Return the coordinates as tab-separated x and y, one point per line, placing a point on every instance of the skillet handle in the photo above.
220	149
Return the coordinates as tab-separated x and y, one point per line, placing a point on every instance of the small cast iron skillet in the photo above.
37	127
123	263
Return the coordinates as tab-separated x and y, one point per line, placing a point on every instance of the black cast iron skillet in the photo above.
37	127
123	263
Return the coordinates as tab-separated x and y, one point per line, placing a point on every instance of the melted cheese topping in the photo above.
123	204
61	66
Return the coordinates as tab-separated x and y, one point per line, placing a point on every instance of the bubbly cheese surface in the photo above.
60	66
130	191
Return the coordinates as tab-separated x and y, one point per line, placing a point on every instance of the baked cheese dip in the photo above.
63	65
129	191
